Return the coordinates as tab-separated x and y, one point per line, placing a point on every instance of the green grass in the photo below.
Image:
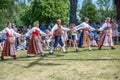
84	65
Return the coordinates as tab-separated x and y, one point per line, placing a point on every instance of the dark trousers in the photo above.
58	39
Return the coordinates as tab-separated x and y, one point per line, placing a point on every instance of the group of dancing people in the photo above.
56	34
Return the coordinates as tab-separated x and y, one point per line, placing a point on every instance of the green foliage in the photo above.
46	11
10	11
106	9
6	6
89	10
28	11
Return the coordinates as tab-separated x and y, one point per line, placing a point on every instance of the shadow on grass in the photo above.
43	62
30	59
34	62
86	50
37	62
46	55
87	59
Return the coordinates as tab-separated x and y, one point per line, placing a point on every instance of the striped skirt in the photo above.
106	40
8	49
35	46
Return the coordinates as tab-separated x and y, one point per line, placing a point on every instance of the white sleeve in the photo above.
103	27
42	33
25	42
29	32
117	26
16	34
54	28
3	32
65	29
79	27
92	29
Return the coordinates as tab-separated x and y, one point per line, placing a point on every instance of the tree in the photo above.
117	3
46	10
89	10
106	8
6	6
73	10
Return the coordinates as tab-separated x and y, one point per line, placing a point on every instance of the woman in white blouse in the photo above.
84	39
115	34
35	45
9	46
106	39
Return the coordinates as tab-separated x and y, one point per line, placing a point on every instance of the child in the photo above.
99	37
65	36
22	43
48	38
93	42
73	33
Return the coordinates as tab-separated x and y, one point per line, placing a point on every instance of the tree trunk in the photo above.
117	3
73	9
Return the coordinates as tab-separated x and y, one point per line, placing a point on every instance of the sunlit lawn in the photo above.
84	65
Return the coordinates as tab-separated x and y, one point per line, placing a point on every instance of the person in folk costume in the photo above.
73	33
48	38
84	39
65	36
115	33
9	46
57	33
106	39
35	45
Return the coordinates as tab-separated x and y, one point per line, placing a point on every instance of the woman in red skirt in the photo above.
9	46
35	45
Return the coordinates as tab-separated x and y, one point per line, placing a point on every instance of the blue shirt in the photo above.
43	28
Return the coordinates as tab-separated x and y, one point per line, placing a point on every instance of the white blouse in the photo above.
9	31
83	26
33	29
56	27
105	25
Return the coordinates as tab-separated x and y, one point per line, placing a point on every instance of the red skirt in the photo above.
6	48
34	47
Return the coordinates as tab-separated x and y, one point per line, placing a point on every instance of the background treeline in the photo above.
25	12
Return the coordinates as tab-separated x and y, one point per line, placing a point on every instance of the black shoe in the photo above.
113	48
28	56
51	53
99	49
65	52
42	55
2	58
77	50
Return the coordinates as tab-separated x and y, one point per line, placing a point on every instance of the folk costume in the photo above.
57	33
9	45
115	33
35	45
106	39
84	39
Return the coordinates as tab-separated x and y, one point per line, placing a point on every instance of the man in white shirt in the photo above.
57	33
84	38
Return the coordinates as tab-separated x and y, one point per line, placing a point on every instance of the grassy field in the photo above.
84	65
